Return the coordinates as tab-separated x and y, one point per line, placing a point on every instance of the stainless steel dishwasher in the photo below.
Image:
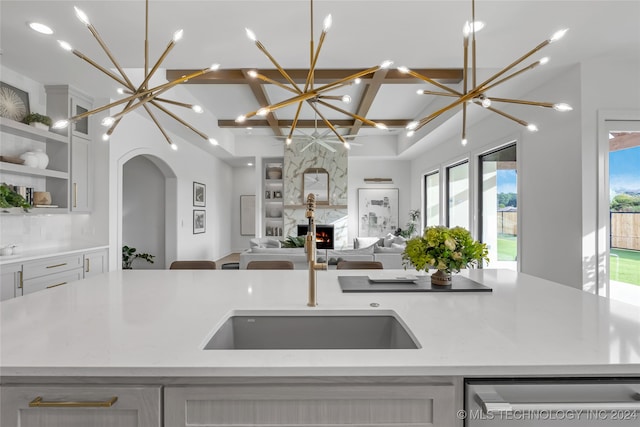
613	402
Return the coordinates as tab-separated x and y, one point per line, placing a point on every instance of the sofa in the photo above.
265	249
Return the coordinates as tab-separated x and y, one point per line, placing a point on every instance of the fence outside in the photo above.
625	230
508	222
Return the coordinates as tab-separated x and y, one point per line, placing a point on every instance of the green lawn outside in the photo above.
625	266
507	247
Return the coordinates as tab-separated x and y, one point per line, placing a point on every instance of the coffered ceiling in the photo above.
420	34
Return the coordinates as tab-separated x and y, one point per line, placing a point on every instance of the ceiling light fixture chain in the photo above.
310	94
478	92
142	95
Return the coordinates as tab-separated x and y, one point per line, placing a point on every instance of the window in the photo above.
432	199
499	205
458	195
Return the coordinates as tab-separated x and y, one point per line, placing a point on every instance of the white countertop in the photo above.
155	323
29	254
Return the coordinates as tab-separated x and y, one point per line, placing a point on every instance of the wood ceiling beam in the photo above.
237	76
307	124
368	96
263	101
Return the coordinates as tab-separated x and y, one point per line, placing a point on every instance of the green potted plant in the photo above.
38	120
130	254
11	199
447	250
412	225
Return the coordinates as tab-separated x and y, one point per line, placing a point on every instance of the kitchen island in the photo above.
148	329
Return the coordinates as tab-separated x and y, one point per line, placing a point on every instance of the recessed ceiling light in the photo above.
40	28
249	164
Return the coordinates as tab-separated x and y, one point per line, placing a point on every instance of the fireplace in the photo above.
324	235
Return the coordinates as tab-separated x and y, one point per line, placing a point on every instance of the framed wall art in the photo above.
14	103
248	215
377	211
199	194
199	221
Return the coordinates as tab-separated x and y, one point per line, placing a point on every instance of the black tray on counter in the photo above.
422	284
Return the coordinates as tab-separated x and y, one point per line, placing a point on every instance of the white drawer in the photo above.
51	265
64	406
51	281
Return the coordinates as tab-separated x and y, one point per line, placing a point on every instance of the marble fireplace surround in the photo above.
335	213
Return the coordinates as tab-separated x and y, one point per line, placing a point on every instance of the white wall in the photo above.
143	215
548	177
556	166
135	136
398	170
611	88
244	183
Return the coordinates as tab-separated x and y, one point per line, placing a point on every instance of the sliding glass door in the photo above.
499	206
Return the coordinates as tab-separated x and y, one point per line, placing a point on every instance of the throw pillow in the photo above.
388	240
399	240
364	242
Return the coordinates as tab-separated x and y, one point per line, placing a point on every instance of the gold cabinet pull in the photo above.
59	284
21	276
57	265
87	269
75	194
39	403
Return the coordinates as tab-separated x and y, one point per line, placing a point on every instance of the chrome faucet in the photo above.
310	246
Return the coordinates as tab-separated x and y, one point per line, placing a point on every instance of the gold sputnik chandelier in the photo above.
309	93
141	95
478	92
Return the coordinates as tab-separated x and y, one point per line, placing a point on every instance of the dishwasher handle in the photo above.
492	403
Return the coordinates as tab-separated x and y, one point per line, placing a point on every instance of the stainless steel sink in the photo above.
319	330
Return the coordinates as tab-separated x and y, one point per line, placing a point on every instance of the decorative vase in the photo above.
43	158
41	198
441	278
274	173
30	159
39	125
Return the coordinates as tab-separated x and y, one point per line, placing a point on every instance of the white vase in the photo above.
30	159
43	159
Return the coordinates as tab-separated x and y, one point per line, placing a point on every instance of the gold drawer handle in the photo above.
59	284
39	403
57	265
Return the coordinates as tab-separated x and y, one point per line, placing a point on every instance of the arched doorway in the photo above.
147	201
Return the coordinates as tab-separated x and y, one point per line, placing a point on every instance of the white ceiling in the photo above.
418	34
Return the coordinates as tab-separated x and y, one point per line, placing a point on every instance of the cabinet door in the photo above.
311	405
95	263
10	281
80	406
51	281
80	187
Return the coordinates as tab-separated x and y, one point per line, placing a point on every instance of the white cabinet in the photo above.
75	406
18	138
95	262
311	405
10	281
63	102
51	272
80	182
22	278
273	191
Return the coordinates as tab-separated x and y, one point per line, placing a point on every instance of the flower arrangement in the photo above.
445	249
